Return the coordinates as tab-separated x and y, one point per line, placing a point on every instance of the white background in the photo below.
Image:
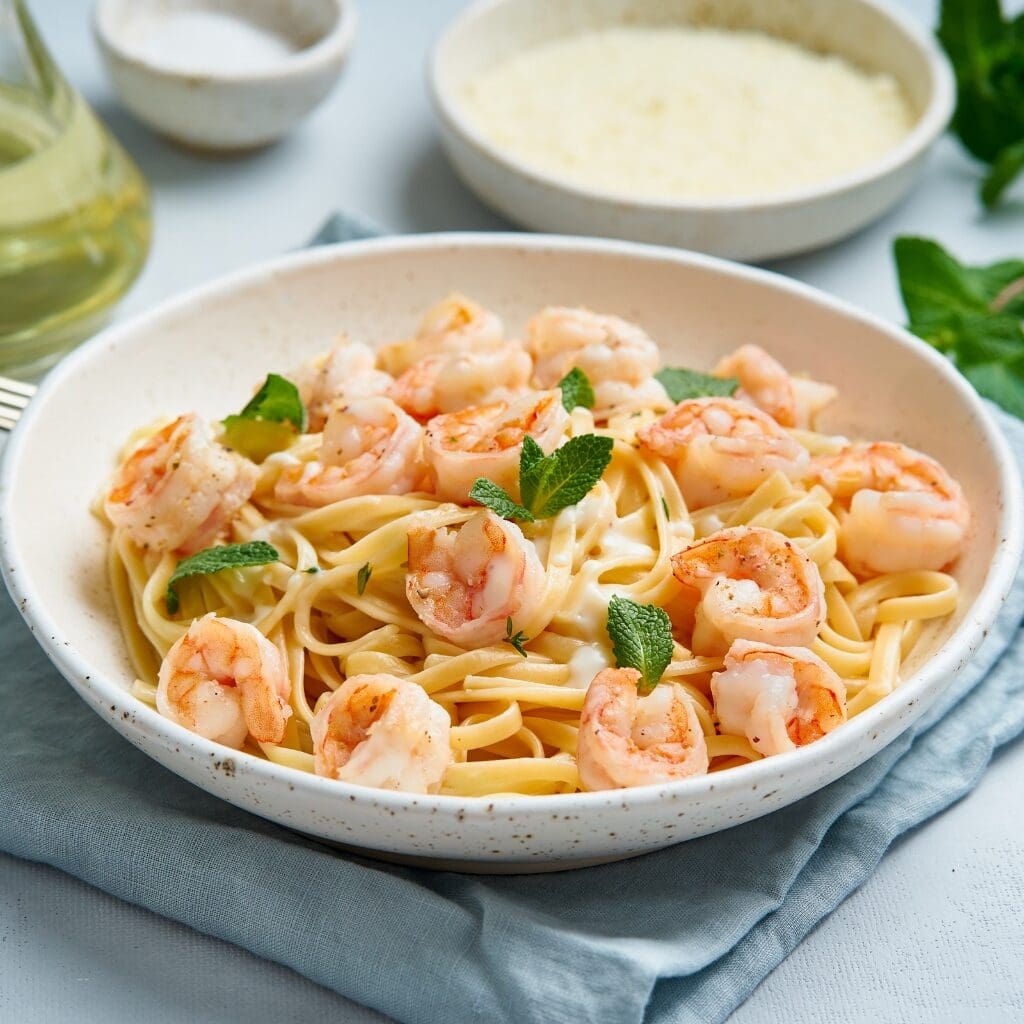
936	935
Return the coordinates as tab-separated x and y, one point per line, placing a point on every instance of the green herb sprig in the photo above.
576	390
987	52
548	483
273	418
211	560
972	314
516	639
682	384
363	577
641	636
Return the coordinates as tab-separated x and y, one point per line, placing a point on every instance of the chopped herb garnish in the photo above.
549	483
211	560
363	577
312	569
681	384
270	422
641	636
576	390
664	506
517	640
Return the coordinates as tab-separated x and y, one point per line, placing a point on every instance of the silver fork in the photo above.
14	397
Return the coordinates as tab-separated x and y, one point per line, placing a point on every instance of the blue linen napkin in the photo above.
683	935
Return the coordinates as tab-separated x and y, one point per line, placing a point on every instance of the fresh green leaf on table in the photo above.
972	314
987	52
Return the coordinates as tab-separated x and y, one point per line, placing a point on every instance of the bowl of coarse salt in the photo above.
744	128
223	74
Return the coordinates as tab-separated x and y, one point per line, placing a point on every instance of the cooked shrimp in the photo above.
721	448
466	582
617	356
369	447
780	698
628	740
382	731
179	489
225	680
455	324
904	511
790	401
486	441
751	584
347	371
450	381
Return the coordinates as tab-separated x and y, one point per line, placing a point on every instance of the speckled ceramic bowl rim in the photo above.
927	682
331	46
930	125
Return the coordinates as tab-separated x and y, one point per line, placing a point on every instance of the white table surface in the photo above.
936	935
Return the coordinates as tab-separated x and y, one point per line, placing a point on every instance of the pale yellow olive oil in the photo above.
74	224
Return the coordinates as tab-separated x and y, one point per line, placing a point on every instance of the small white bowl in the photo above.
865	32
223	74
203	350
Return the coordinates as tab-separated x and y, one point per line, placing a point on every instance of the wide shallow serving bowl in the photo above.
206	350
867	32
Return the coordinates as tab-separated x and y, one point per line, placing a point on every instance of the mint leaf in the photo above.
270	422
211	560
576	390
972	314
1005	168
531	456
498	500
565	476
363	577
682	384
517	640
987	52
641	636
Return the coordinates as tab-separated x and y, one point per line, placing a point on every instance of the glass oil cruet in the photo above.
74	210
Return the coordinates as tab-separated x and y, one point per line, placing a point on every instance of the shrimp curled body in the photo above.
225	680
348	371
450	381
384	732
627	740
903	510
780	698
790	401
466	583
455	324
179	488
487	440
617	356
752	584
721	448
369	447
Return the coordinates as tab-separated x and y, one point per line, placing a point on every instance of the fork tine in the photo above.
12	401
14	396
16	387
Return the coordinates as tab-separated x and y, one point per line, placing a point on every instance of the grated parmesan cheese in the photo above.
695	112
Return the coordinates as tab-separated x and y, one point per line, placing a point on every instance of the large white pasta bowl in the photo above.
207	349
